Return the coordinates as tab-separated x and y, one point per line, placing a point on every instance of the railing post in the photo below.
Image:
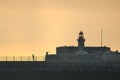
36	58
6	58
21	58
13	58
43	57
28	58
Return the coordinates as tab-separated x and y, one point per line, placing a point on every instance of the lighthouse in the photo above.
81	41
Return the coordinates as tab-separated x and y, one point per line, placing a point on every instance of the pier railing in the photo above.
22	58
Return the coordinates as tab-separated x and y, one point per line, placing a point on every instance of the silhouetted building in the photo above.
81	53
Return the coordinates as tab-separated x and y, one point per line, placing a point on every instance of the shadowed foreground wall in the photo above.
61	71
36	66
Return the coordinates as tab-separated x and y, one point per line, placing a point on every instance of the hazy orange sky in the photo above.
37	26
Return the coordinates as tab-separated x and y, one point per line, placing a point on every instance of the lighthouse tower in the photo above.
81	41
